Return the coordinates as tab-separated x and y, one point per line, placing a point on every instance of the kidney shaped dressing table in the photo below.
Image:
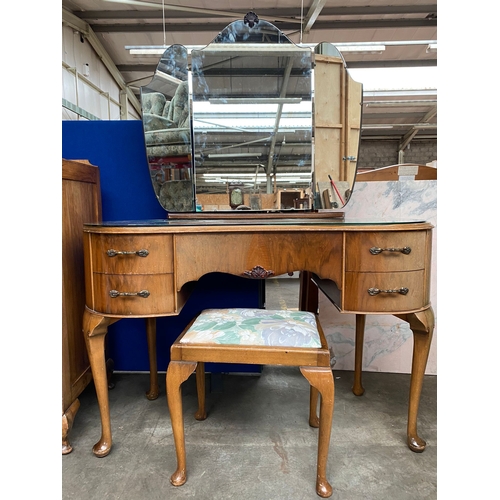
144	269
222	162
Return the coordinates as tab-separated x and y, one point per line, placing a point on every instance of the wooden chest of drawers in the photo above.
81	202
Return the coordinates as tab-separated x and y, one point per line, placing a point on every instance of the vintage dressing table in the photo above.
223	170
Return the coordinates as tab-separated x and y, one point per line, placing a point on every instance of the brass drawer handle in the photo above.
377	250
376	291
115	293
140	253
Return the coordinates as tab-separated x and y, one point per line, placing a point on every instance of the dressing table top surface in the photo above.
341	223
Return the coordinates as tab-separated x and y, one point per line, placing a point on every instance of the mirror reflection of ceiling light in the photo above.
168	78
255	179
256	100
235	155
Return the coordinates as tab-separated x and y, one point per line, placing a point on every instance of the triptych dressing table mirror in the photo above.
252	144
252	122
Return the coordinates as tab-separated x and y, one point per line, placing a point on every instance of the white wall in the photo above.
98	94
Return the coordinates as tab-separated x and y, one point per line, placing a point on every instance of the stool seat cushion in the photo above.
254	327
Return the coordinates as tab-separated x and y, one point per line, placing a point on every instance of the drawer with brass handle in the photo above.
385	292
133	294
387	252
132	254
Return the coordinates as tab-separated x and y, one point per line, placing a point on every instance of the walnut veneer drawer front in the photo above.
134	294
276	252
131	254
386	251
385	292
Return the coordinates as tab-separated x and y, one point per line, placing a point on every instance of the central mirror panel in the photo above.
252	121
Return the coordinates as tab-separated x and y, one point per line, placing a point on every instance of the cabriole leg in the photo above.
322	379
95	328
177	373
422	326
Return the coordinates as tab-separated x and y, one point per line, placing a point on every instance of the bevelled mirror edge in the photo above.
337	127
166	118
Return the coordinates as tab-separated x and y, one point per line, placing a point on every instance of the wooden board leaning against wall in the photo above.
337	127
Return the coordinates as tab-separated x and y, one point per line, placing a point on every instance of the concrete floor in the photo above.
256	443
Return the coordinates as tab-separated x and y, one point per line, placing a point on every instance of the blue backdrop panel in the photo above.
117	148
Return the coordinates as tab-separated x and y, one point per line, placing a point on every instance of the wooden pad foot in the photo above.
67	423
324	488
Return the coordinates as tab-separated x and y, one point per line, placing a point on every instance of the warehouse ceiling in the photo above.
405	28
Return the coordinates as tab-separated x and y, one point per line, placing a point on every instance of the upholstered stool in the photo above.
253	336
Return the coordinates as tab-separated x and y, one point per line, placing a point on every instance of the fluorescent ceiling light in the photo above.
352	47
362	49
402	125
273	48
398	93
147	52
156	50
403	104
425	125
222	49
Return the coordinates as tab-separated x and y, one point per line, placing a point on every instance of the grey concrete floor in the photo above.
256	443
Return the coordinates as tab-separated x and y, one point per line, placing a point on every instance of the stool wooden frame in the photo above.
314	364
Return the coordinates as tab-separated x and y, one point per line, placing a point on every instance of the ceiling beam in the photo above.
319	25
162	7
266	14
312	15
407	138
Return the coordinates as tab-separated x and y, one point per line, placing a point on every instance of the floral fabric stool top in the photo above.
241	326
